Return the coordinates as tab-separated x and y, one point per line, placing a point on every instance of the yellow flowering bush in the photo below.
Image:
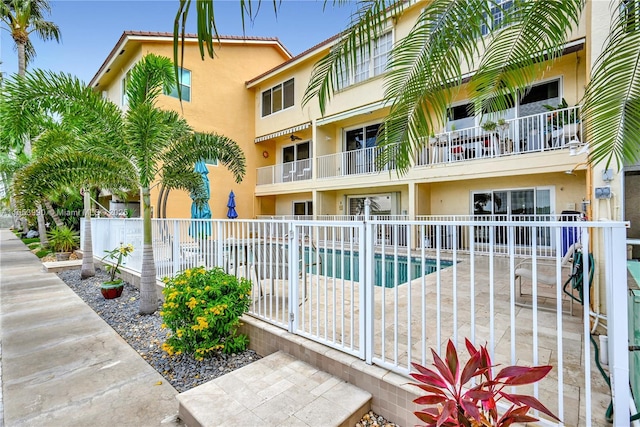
202	309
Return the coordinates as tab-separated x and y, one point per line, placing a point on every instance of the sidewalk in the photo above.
61	364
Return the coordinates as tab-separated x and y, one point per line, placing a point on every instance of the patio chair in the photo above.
546	272
457	152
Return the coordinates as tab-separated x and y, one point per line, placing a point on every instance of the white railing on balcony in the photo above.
355	162
300	170
348	285
536	133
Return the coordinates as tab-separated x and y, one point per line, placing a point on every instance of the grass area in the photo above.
43	252
32	240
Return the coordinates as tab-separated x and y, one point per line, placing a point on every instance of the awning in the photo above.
283	132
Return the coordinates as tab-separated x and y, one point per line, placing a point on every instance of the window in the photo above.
541	92
303	208
461	116
383	46
365	65
630	15
361	138
184	80
125	83
279	97
295	152
496	19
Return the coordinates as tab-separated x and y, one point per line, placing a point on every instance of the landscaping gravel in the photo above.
145	335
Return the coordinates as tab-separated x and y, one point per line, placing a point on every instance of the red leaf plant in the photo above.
450	403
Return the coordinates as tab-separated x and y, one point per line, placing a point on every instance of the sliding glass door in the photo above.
527	204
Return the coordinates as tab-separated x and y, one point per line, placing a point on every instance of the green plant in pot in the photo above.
113	287
63	241
489	126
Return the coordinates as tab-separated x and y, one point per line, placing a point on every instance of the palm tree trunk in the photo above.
52	213
42	228
22	58
148	293
22	70
88	268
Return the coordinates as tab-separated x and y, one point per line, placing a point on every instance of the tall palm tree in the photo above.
26	17
138	147
23	18
450	36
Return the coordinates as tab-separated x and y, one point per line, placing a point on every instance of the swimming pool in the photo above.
384	273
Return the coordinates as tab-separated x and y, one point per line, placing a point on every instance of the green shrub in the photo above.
43	253
203	308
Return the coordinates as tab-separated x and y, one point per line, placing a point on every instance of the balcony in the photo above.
553	130
548	131
299	170
356	162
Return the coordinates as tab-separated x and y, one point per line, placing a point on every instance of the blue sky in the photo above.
90	28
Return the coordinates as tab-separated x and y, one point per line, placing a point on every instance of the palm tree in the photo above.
449	36
23	18
133	149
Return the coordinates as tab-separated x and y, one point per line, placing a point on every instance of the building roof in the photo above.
191	38
296	58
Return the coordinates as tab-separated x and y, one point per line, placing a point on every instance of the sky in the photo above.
90	28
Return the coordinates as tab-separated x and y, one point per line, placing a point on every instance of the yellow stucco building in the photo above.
300	162
214	100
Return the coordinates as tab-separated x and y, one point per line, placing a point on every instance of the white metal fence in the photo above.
376	290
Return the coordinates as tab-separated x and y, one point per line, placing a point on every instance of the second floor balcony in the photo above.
549	131
299	170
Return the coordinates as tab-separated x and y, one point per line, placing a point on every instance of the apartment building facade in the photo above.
214	99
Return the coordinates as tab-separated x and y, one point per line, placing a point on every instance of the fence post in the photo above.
366	285
294	267
617	323
176	247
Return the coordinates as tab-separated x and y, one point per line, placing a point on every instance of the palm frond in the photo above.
53	173
611	109
531	34
424	70
152	75
26	100
368	22
187	151
46	30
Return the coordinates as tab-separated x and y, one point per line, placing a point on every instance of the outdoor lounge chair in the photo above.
546	272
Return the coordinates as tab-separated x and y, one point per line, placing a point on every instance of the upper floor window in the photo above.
495	21
125	83
277	98
184	80
369	63
630	15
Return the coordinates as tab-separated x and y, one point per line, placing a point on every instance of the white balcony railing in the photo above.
356	162
536	133
552	130
285	172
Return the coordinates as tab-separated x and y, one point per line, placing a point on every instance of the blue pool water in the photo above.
347	267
